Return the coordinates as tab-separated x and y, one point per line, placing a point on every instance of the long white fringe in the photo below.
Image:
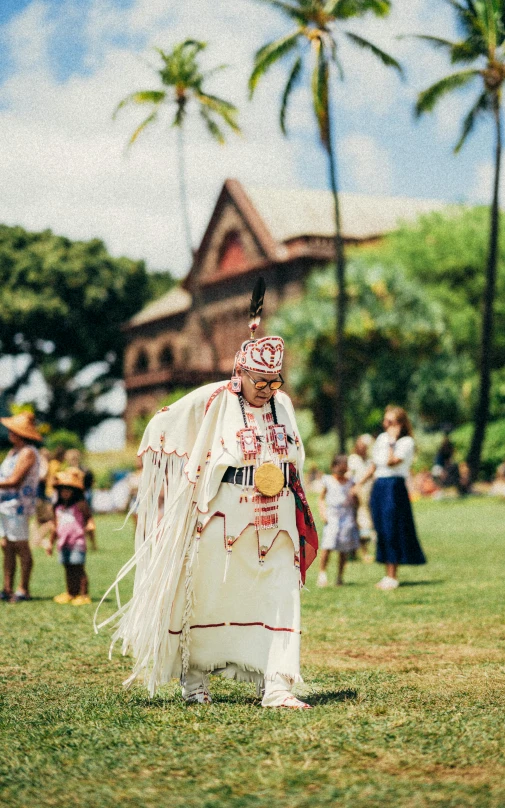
161	548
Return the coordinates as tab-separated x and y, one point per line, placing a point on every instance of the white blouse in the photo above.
404	449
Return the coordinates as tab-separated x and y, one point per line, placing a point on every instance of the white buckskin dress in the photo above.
217	580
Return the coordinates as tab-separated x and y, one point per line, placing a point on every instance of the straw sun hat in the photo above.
23	425
69	478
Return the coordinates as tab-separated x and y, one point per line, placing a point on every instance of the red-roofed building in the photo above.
280	234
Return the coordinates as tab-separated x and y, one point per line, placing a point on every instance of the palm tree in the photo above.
182	82
318	29
482	26
183	79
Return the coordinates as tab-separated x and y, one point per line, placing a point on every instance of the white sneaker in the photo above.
322	580
388	583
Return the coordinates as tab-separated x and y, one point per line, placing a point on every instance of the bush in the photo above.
65	438
493	452
141	421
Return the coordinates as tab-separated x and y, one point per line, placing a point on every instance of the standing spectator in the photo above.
392	455
43	506
19	478
359	464
55	465
73	521
73	457
337	507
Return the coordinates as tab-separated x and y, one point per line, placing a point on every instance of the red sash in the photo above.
304	523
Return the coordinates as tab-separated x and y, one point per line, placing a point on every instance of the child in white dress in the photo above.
337	507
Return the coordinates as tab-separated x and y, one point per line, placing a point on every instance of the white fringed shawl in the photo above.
184	458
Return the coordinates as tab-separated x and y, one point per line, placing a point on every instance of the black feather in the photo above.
256	307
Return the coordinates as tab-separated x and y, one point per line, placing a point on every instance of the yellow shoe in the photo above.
81	600
63	598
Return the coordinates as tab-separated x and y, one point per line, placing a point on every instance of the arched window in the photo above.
231	253
141	362
166	358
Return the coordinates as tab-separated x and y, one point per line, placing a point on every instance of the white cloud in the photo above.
64	165
28	35
369	164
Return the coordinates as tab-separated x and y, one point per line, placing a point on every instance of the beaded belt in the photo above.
245	475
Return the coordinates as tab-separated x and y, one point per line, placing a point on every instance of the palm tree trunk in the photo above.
341	295
482	410
183	191
197	292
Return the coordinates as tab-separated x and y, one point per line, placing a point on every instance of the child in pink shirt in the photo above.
72	523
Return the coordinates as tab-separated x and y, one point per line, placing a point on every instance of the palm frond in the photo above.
320	92
481	105
490	21
290	85
213	70
467	51
427	99
269	54
384	57
141	97
150	119
438	42
331	46
345	9
212	126
227	111
457	5
289	9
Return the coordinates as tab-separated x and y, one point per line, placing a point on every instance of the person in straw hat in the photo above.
72	522
218	576
19	477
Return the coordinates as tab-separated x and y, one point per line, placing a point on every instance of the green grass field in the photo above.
408	689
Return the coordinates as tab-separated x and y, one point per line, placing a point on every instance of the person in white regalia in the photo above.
218	574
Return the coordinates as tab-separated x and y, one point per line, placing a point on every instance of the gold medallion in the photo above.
269	479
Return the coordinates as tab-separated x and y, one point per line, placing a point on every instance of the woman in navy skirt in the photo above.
392	455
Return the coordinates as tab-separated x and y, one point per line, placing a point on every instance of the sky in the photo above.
64	165
65	64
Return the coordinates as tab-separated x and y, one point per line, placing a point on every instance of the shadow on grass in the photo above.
331	696
422	583
47	598
176	701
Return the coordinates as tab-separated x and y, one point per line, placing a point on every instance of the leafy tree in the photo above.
445	252
318	29
160	283
62	306
482	27
392	328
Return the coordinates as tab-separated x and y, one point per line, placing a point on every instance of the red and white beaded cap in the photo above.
259	355
262	355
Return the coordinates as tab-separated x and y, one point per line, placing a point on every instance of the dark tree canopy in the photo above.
62	305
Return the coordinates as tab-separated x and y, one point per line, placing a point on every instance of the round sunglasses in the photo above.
260	384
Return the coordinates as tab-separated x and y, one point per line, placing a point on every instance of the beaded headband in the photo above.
261	355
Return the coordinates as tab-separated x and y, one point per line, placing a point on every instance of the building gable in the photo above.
236	239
